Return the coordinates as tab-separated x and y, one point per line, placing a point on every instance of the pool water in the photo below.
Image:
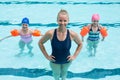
42	14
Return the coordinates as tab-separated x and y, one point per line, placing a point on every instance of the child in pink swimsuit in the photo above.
26	37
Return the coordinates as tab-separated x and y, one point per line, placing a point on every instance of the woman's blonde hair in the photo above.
63	12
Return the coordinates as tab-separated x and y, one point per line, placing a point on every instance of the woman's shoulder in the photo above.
50	31
49	34
72	33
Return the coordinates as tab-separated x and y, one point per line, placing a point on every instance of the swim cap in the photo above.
25	21
95	17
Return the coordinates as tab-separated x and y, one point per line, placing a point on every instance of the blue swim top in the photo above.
25	21
94	36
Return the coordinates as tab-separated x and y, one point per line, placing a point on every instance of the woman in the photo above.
61	38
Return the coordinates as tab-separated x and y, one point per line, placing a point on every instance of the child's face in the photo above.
24	26
62	20
95	22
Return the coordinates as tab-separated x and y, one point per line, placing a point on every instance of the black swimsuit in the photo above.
61	49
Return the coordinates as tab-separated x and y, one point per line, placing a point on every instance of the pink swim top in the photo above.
26	38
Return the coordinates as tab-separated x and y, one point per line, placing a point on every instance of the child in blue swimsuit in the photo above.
93	38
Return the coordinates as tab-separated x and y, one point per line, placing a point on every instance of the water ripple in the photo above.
58	2
33	73
74	24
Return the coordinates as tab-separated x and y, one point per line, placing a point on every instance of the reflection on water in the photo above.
33	73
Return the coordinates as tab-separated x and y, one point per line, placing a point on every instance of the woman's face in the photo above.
62	20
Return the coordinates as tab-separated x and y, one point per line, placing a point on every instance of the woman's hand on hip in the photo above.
51	58
71	58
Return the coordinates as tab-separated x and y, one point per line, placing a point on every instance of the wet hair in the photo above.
63	12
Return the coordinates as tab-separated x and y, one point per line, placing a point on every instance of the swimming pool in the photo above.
42	15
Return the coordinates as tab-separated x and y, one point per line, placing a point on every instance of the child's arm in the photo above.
103	32
5	37
14	33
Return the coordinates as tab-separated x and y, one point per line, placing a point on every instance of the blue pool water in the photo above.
42	14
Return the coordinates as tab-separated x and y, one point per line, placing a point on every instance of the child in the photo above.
26	36
93	29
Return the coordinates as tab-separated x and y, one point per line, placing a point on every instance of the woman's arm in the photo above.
77	40
44	39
